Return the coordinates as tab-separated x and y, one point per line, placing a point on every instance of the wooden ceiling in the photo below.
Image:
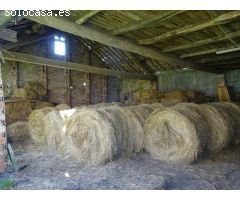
151	41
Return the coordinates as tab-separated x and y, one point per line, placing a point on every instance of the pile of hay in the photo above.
36	124
37	87
40	105
17	111
62	107
173	100
98	135
18	132
32	91
219	129
177	134
147	95
54	123
195	96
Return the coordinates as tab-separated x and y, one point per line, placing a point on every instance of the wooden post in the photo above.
3	136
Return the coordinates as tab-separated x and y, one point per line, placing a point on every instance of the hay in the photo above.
20	93
195	96
174	100
36	87
54	122
141	111
231	113
62	107
18	132
177	134
220	133
36	124
40	105
17	111
98	135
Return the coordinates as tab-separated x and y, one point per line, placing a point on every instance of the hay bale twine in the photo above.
18	132
40	105
176	134
231	113
36	124
54	122
62	107
219	129
98	135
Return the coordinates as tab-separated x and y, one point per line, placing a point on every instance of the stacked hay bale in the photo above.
98	135
176	96
40	105
147	96
17	111
18	132
32	91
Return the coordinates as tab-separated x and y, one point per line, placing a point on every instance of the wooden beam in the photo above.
26	58
142	23
202	42
7	34
209	51
106	39
87	15
4	18
191	28
28	40
145	68
219	58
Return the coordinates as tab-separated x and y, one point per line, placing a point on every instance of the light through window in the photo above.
59	46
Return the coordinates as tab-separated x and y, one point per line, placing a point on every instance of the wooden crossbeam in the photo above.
28	40
209	51
218	58
107	39
203	42
191	28
144	22
4	18
87	15
26	58
7	34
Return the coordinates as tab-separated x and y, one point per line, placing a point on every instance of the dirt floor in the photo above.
44	168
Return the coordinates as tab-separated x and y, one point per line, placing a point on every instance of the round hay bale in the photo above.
174	100
96	136
220	133
54	122
18	132
176	134
231	112
62	107
141	111
156	105
40	105
36	124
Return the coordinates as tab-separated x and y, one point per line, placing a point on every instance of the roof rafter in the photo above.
191	28
142	23
106	39
90	13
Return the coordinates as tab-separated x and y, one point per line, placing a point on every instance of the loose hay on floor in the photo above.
36	124
18	132
175	134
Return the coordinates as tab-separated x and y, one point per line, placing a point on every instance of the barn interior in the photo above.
120	99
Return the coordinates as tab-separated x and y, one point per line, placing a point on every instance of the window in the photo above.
59	46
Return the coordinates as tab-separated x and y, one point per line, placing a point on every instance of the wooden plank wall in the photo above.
87	88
